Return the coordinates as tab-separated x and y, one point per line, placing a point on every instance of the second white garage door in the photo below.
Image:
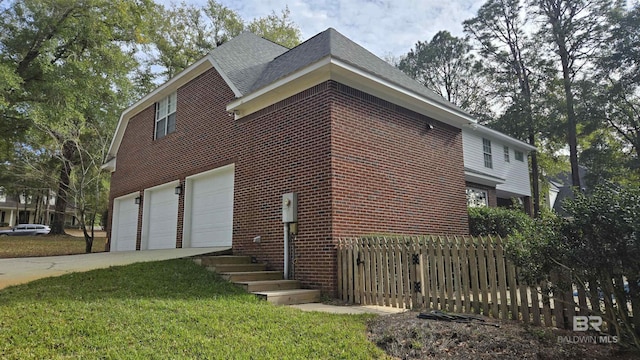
209	208
160	217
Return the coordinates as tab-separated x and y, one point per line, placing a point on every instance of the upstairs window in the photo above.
506	154
486	148
519	155
166	116
3	195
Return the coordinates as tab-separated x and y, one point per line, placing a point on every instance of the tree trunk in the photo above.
57	226
535	175
572	137
88	239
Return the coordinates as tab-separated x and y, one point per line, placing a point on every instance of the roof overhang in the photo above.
477	177
502	137
330	68
163	90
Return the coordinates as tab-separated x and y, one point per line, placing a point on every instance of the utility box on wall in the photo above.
290	208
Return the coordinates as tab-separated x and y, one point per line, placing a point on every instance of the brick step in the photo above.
252	276
231	268
269	285
224	259
290	297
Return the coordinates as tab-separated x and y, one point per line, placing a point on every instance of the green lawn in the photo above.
166	310
45	245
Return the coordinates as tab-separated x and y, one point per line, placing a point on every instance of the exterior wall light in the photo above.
178	190
137	200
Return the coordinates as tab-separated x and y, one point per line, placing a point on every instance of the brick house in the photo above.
205	159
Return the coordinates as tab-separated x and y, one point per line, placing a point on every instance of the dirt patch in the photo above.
405	336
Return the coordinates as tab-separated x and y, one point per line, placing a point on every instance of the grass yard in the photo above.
45	245
166	310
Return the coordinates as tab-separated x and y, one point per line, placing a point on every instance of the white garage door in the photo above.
209	208
124	225
160	217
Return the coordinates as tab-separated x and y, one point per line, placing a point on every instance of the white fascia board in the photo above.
483	179
171	85
503	137
352	76
461	117
235	105
109	165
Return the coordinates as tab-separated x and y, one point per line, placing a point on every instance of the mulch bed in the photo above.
405	336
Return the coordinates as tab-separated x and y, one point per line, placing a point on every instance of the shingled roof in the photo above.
252	63
245	58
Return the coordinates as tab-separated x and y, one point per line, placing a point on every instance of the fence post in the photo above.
465	283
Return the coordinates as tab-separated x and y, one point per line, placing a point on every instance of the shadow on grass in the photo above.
169	279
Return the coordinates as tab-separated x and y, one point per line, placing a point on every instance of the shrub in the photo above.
597	246
485	221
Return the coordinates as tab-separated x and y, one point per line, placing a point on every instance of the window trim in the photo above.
486	150
164	116
521	155
476	190
507	158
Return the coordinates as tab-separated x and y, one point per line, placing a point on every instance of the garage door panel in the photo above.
211	209
162	218
124	225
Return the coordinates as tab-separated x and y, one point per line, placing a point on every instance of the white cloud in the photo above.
381	26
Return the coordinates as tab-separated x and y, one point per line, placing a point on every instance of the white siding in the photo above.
515	172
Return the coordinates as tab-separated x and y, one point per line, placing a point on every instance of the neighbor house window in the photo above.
519	155
486	147
166	116
3	195
476	198
506	154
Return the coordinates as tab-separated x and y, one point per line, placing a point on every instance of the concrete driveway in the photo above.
22	270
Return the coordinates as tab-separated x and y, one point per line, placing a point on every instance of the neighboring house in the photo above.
561	189
16	210
496	168
205	159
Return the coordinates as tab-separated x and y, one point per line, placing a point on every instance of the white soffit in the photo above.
500	136
333	69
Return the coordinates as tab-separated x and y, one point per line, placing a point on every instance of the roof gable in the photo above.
244	59
254	67
331	43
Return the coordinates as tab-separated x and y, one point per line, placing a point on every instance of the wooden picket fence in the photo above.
451	273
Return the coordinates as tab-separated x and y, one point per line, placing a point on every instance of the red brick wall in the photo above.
287	149
388	174
204	139
391	174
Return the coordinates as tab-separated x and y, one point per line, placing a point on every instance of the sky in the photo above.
384	27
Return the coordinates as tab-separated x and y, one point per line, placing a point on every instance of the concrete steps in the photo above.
290	297
254	278
233	268
269	285
251	276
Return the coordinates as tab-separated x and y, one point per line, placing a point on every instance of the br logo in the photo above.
583	323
